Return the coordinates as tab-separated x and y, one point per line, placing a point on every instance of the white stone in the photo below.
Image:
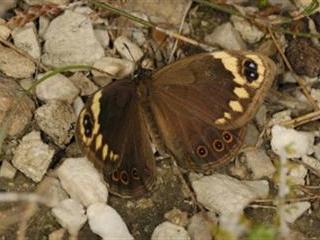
107	223
26	39
7	170
128	49
295	210
169	231
259	163
249	32
82	181
223	194
32	156
57	87
113	67
102	36
14	64
84	84
259	187
70	214
227	37
291	143
70	39
57	119
51	189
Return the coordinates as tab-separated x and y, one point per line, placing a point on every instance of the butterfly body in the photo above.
196	109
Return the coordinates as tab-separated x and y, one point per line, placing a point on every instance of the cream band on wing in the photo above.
232	64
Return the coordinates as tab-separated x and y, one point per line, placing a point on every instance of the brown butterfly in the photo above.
196	109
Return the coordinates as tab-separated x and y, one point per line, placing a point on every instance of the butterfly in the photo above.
196	109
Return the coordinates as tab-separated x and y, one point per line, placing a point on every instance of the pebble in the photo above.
224	194
291	143
70	214
70	39
7	170
15	65
57	119
200	228
5	31
313	163
128	49
82	181
177	217
249	32
51	189
107	223
102	36
57	234
26	39
44	23
77	105
297	173
6	5
114	67
41	2
227	37
84	84
57	87
295	210
32	156
169	231
259	163
10	93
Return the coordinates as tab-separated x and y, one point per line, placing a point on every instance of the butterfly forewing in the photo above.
111	130
226	88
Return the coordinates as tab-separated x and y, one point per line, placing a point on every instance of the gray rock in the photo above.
15	65
227	37
18	104
128	49
32	156
84	84
26	39
7	170
70	39
169	231
57	119
57	87
224	194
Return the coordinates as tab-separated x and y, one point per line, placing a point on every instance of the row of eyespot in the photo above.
202	151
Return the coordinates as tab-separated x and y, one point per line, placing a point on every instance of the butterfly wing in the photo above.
202	103
112	132
225	88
